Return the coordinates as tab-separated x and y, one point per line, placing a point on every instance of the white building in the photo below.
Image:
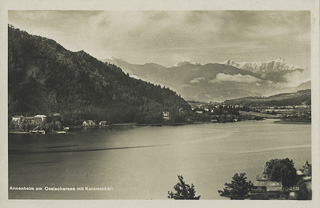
43	117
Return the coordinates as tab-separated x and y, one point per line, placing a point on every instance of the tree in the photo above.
239	188
183	191
282	170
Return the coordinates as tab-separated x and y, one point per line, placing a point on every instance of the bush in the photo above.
183	191
239	188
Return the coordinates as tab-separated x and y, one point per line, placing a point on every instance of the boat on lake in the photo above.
37	132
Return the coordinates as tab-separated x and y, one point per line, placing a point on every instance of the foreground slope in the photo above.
45	78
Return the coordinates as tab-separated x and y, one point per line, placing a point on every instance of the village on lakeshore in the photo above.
201	112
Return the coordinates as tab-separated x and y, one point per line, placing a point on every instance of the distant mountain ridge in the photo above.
305	85
218	82
283	99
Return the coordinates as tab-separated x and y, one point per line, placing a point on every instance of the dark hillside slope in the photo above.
45	78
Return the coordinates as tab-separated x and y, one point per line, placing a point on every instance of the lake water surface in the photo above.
143	162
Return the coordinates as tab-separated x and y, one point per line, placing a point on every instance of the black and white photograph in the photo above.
161	104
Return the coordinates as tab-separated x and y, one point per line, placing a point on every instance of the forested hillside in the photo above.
45	78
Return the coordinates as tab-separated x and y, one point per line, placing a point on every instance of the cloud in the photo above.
204	36
221	77
296	78
197	80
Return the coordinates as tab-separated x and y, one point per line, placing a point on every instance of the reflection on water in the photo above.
72	150
143	162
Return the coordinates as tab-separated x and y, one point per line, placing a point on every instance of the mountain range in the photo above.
221	81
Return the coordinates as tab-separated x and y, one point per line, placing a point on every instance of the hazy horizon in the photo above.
169	37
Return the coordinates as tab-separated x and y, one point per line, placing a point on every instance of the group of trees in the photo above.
240	188
282	170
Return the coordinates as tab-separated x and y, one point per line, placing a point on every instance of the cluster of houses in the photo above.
210	108
264	188
35	122
37	119
201	109
91	123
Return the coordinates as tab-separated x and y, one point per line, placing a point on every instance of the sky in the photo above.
169	37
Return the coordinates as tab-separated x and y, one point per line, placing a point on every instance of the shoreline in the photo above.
80	128
292	122
18	132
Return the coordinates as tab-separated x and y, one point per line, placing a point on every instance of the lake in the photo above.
142	162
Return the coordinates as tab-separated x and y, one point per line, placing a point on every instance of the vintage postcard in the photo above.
109	102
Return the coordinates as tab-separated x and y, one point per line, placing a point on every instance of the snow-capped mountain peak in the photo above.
263	67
